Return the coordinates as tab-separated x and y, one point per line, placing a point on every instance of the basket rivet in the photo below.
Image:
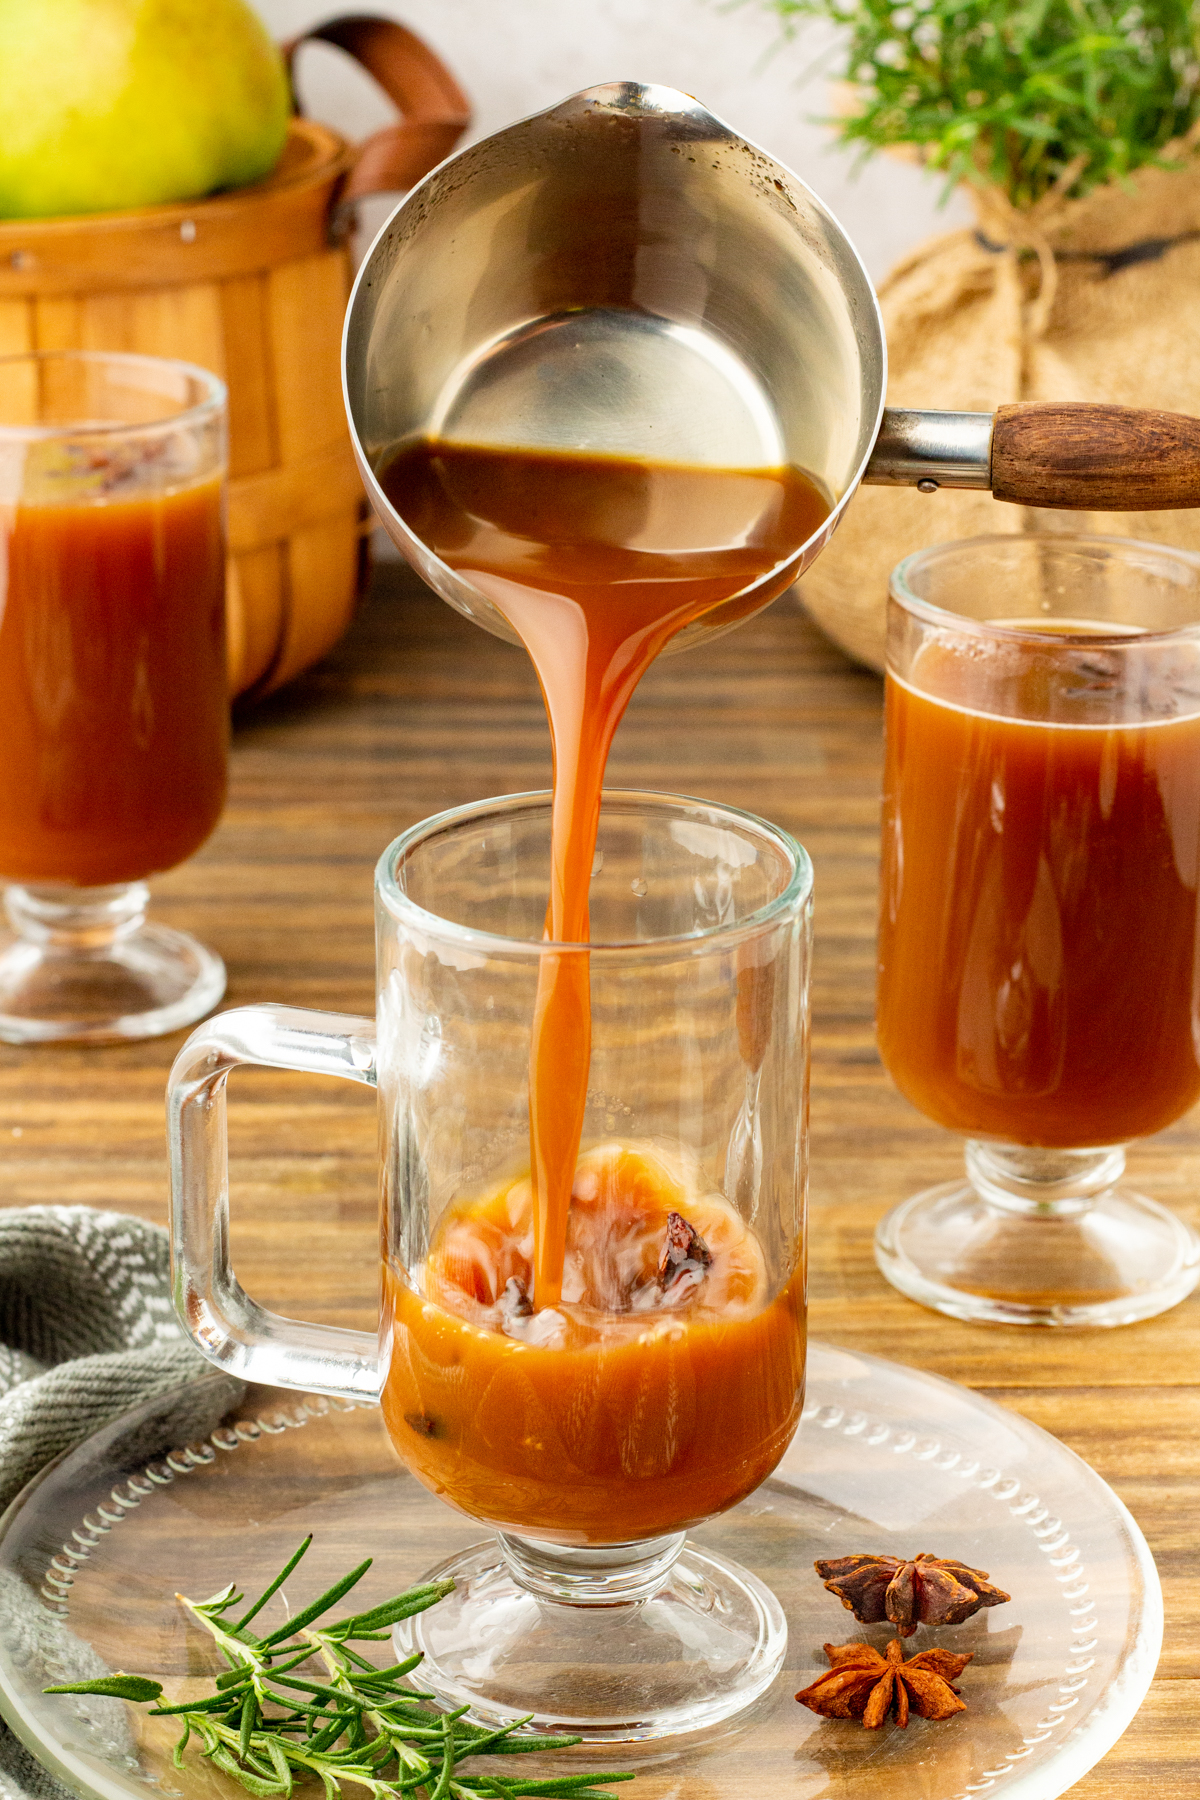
187	231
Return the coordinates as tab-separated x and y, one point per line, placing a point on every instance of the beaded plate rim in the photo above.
1052	1535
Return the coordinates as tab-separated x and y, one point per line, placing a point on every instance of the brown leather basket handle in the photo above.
1095	458
435	110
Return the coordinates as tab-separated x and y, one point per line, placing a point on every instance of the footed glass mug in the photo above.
667	1383
1039	937
112	687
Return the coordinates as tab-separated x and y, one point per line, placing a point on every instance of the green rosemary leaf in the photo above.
517	1724
414	1770
411	1784
254	1784
525	1746
249	1721
119	1686
295	1658
257	1762
281	1765
217	1603
296	1708
486	1743
371	1675
274	1586
213	1703
443	1781
231	1678
405	1703
574	1793
316	1607
317	1687
562	1784
392	1611
380	1749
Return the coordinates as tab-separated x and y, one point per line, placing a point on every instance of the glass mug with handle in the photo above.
668	1381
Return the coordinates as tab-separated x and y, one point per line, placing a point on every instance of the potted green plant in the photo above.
1074	126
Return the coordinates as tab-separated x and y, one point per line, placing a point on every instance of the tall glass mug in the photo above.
112	686
1039	952
665	1386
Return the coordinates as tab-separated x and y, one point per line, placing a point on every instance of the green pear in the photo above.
108	104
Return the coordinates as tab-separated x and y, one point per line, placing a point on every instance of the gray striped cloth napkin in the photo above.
87	1331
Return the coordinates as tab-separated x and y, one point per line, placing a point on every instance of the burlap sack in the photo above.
1092	299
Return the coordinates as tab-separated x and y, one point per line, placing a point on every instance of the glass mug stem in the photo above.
600	1575
76	919
84	965
1042	1184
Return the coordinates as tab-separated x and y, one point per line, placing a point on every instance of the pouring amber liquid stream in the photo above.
596	562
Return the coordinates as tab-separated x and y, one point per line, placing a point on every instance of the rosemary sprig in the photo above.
268	1722
1025	95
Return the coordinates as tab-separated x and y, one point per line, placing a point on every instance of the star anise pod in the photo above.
861	1684
927	1590
685	1256
515	1302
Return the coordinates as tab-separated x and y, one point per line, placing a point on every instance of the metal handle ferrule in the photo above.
930	450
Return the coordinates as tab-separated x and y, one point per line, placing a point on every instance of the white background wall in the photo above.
516	56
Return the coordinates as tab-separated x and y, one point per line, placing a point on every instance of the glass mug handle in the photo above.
231	1329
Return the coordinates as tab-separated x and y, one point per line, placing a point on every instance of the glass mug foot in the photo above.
1039	1238
83	966
572	1638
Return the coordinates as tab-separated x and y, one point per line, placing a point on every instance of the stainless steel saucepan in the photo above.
626	275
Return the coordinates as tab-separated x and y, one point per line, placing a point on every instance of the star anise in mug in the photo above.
685	1256
925	1590
861	1684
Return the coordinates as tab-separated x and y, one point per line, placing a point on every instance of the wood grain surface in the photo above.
1089	458
419	710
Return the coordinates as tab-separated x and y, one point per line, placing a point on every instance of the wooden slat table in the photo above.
418	710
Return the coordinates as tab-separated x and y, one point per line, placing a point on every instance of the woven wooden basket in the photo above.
253	284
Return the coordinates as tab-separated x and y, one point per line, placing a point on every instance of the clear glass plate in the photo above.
178	1497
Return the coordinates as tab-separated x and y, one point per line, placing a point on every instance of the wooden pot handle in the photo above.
1095	458
435	110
